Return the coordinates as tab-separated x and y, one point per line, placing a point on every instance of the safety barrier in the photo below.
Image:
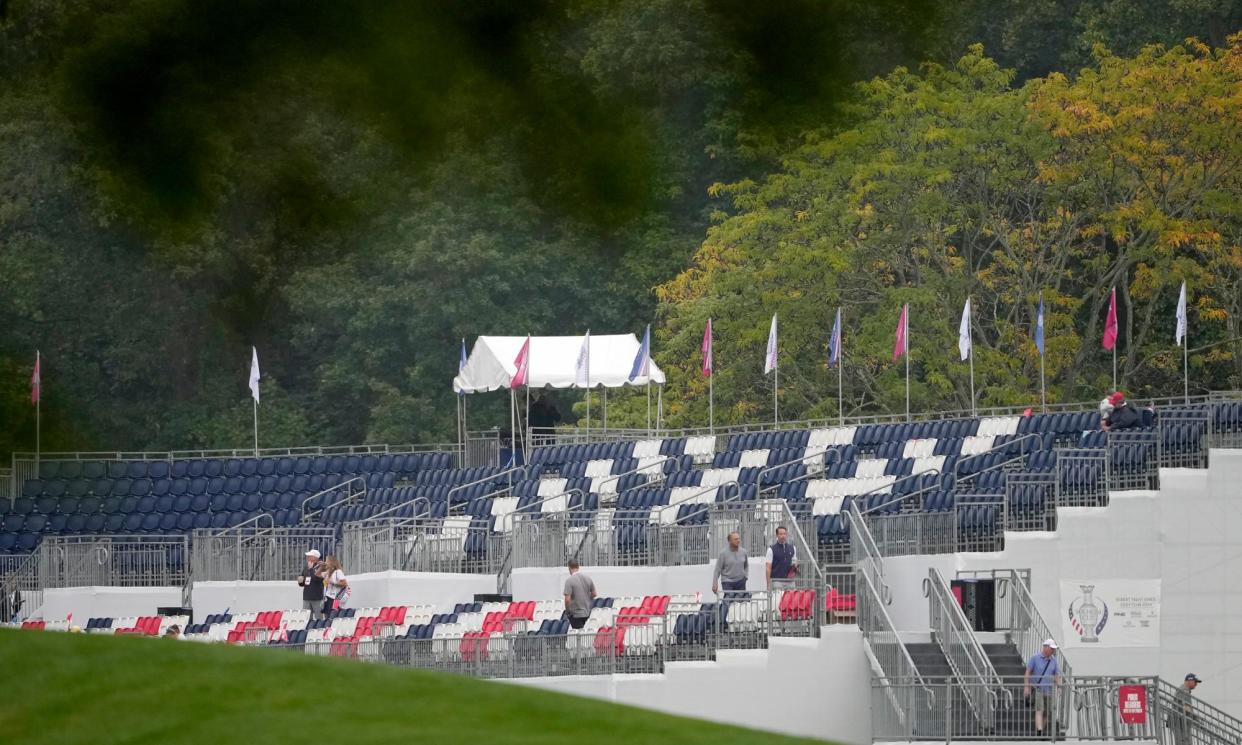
256	551
980	684
1077	708
117	561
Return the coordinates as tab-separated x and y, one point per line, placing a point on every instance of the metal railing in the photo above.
1189	721
1082	477
20	582
1017	615
865	553
1076	708
117	561
1185	437
899	706
659	465
350	496
422	545
981	686
255	552
820	469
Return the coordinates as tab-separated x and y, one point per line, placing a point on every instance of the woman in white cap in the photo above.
311	582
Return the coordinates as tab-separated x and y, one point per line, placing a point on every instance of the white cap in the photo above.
1050	643
313	552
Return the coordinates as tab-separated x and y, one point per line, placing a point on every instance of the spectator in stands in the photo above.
782	561
579	595
1182	718
1043	675
336	590
311	583
1106	408
1123	415
731	568
173	632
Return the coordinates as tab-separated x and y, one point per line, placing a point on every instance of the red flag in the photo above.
1110	324
901	345
522	363
706	349
36	380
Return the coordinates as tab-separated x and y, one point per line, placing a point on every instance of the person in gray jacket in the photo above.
731	568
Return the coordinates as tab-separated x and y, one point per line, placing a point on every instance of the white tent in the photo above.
553	362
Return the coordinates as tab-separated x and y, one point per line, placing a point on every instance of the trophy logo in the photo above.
1087	615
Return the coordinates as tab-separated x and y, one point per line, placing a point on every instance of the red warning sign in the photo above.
1133	704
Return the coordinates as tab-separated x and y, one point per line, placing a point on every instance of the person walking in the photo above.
1043	677
579	595
731	568
1182	718
781	562
336	590
312	585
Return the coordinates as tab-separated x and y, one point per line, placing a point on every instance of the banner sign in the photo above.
1110	613
1133	704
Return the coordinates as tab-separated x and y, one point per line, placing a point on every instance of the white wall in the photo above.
811	687
547	583
106	602
374	589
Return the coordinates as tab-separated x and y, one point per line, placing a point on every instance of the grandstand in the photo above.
456	560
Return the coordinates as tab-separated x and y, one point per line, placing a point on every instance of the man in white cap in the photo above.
1043	673
311	582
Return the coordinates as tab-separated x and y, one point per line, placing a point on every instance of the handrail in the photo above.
1036	629
1217	724
484	480
271	523
901	498
961	648
526	510
290	452
334	487
823	468
872	599
866	553
1004	445
660	510
617	477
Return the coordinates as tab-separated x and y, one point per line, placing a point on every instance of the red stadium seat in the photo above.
149	625
474	645
36	625
524	609
365	626
344	647
610	641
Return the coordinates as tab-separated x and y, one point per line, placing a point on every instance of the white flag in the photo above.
963	332
769	362
582	370
1180	334
254	374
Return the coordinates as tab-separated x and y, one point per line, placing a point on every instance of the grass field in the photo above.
72	688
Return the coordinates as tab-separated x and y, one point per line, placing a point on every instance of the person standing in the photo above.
1043	674
312	585
1182	718
781	562
579	596
731	568
336	590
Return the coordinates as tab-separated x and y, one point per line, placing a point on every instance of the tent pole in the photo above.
648	405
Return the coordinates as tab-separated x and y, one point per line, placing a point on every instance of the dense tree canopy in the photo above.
353	192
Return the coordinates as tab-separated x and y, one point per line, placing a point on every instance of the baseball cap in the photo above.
313	553
1050	643
1117	398
1194	677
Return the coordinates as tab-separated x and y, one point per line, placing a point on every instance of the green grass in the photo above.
74	688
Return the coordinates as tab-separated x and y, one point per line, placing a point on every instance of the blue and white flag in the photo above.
769	361
1039	326
834	342
582	369
963	332
461	366
1180	335
642	361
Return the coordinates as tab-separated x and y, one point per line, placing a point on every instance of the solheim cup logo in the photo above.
1087	616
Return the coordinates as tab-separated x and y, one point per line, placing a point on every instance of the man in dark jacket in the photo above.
311	582
1123	415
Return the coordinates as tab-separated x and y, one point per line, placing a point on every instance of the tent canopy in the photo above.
553	361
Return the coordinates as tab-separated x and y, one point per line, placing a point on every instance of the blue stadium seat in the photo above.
250	467
26	542
158	470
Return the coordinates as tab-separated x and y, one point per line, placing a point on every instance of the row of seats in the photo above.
399	463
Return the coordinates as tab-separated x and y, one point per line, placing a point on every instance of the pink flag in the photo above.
522	363
706	348
1110	324
901	345
36	380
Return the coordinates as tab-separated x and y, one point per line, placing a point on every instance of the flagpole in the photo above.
605	420
1114	365
256	427
1043	392
906	344
776	384
527	437
38	410
659	408
512	428
970	329
711	400
840	398
648	403
1186	365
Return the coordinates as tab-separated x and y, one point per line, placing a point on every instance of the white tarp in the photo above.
1110	613
552	362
